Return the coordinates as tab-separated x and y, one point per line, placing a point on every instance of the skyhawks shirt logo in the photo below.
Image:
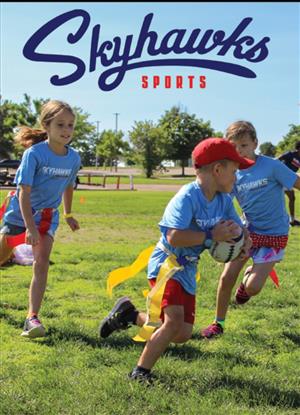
252	185
53	171
207	223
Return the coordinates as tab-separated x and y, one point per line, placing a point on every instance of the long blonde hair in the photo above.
27	136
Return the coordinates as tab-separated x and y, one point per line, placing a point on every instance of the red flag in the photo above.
45	223
274	277
15	240
2	210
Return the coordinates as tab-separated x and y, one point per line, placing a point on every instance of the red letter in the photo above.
191	80
202	82
155	81
145	81
167	81
178	81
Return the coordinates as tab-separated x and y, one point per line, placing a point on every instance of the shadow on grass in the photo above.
11	306
189	352
10	264
295	338
73	333
64	334
7	265
251	393
10	320
257	393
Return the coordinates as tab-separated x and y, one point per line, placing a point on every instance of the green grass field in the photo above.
254	368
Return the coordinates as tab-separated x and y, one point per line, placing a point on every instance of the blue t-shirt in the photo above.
260	193
48	174
189	209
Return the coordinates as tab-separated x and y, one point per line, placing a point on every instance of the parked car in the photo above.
8	170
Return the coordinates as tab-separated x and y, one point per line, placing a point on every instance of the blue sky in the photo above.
270	101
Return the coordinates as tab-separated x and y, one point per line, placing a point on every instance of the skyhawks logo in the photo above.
208	223
122	55
53	171
252	185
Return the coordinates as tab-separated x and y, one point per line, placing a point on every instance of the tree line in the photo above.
172	137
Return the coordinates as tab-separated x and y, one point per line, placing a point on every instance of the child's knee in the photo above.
253	287
173	326
183	337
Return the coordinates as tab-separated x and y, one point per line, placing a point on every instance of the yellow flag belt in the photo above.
154	298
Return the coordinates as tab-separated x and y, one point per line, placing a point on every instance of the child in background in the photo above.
200	213
260	193
45	176
292	160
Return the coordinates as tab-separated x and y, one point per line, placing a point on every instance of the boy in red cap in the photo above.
259	191
200	213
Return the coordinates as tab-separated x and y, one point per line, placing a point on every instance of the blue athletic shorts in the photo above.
263	255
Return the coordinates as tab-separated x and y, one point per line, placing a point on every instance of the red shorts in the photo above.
174	294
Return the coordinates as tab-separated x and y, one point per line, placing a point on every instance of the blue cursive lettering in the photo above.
116	55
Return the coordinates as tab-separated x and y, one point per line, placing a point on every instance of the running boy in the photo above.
199	213
46	175
259	191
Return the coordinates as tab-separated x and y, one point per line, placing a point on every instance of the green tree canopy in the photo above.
110	147
184	132
26	113
148	142
268	149
14	115
289	140
85	137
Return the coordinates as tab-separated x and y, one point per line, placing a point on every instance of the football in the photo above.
227	251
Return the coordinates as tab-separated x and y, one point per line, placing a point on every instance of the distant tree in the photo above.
148	145
129	155
13	115
110	147
267	149
289	140
84	138
183	131
218	134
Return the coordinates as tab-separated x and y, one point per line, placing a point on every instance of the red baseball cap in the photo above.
215	149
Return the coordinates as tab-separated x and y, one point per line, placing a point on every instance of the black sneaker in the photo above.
295	222
141	376
119	317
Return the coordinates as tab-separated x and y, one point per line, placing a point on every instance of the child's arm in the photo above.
67	200
32	234
223	231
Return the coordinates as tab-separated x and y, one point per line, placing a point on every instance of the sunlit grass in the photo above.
252	369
